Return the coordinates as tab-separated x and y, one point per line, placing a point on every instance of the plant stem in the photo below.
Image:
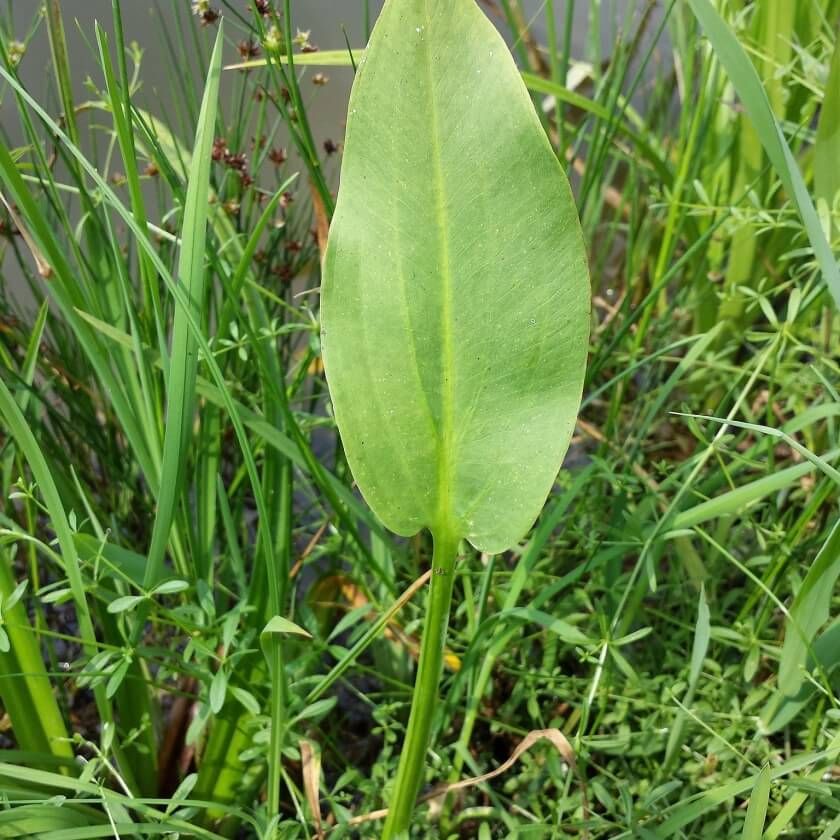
307	143
61	65
278	719
424	700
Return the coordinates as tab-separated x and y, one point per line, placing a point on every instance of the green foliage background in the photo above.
171	479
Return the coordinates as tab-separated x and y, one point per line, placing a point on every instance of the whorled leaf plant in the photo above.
455	306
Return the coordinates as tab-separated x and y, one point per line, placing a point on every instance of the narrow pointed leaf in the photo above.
455	301
124	603
811	609
757	809
183	362
827	144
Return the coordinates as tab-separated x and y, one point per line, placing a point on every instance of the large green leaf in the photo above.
455	300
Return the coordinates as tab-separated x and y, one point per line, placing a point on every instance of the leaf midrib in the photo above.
444	449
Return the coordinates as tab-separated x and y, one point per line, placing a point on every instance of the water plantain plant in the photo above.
455	307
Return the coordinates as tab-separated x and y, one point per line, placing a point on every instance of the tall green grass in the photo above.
171	481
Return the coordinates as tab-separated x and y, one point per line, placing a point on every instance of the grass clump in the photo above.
220	637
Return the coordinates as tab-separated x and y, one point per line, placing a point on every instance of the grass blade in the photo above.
757	810
41	471
702	634
24	685
811	609
827	143
183	363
